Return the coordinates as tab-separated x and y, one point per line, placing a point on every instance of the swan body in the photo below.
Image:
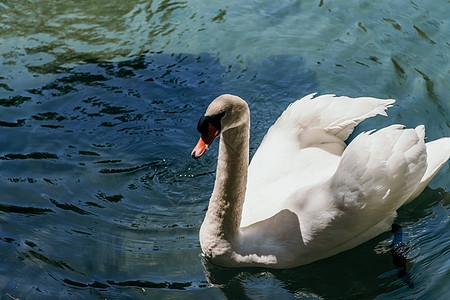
307	195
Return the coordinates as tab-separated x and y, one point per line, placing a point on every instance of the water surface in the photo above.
98	110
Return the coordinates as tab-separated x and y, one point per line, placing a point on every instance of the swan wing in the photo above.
378	173
302	147
324	122
334	115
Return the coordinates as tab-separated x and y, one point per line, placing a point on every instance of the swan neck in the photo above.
223	218
231	175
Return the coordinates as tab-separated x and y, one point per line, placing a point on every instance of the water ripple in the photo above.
98	110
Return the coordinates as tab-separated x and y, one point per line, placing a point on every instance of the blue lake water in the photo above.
98	110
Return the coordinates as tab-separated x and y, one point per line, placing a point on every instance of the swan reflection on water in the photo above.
317	280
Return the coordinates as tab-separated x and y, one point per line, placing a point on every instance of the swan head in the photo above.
224	113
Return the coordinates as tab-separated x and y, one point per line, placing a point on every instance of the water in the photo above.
99	105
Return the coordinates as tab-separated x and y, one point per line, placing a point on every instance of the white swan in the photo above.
308	196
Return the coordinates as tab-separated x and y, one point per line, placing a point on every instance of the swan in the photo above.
307	195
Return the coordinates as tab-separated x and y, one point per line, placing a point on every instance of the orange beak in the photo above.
204	142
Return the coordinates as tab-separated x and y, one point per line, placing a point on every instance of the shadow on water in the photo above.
98	159
367	271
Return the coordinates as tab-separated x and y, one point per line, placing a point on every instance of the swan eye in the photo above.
206	121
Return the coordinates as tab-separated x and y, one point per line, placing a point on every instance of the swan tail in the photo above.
379	171
334	115
438	153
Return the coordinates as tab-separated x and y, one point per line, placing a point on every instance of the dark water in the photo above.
98	110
